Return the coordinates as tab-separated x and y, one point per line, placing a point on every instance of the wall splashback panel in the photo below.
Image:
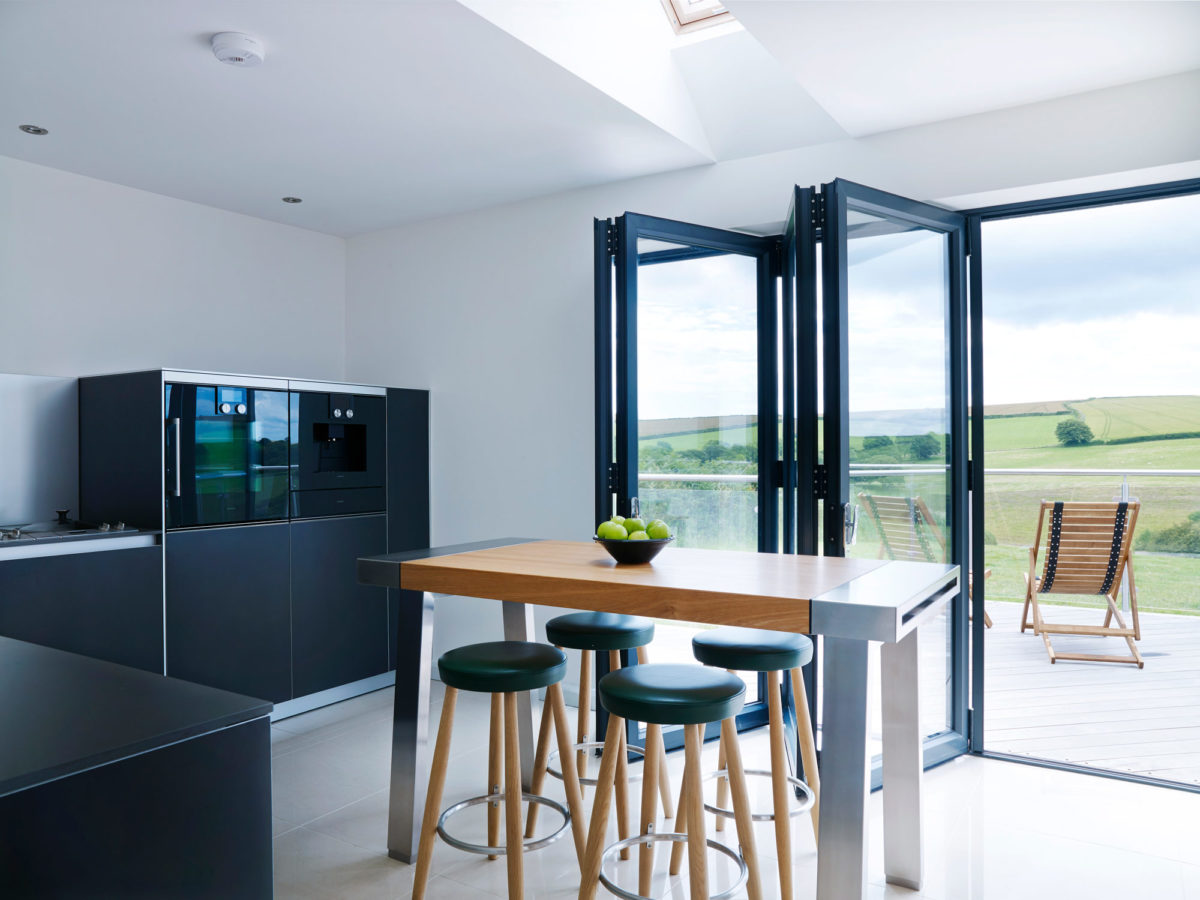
39	447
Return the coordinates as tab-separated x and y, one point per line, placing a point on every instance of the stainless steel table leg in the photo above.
518	626
410	725
902	764
845	773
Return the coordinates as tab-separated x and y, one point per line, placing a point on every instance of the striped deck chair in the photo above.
907	531
1089	547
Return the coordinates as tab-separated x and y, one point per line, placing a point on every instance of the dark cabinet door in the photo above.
106	604
228	615
339	627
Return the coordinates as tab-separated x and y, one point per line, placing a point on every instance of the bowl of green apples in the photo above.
632	541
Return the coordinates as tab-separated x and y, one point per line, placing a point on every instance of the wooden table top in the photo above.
719	587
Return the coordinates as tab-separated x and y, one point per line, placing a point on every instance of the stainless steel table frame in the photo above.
887	604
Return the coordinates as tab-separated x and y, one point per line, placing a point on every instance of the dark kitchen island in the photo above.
119	782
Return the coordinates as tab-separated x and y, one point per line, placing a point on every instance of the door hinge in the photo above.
971	486
817	209
611	239
612	482
820	480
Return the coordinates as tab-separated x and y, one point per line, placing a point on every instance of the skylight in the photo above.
688	16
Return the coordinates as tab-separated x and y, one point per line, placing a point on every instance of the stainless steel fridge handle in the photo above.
177	424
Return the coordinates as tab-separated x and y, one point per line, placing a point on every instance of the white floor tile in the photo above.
993	829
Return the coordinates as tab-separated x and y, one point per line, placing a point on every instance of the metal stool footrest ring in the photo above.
530	844
593	745
676	837
805	805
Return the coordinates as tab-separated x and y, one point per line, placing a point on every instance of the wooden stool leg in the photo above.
614	663
540	760
808	747
585	709
598	829
515	849
681	825
555	704
495	766
433	799
650	776
779	785
741	809
664	777
697	842
722	784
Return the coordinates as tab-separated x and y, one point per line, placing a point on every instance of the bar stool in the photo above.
502	669
773	652
667	694
593	632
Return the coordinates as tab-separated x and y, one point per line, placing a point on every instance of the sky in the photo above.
1093	303
1087	303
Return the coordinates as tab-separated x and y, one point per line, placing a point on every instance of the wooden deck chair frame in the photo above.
1089	548
897	519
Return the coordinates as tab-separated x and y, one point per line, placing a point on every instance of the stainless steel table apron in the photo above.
888	605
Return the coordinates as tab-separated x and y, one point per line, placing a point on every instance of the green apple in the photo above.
658	530
632	525
618	519
639	536
611	531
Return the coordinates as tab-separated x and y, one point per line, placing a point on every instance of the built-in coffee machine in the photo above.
338	458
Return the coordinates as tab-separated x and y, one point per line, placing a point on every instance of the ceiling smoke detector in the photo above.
237	49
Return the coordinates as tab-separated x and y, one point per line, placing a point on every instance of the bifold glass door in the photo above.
894	423
695	416
800	393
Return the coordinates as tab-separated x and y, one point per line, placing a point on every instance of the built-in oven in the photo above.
226	454
338	453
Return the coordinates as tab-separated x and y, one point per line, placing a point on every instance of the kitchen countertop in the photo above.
58	545
62	714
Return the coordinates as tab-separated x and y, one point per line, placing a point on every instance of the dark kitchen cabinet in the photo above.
339	627
408	486
105	604
228	610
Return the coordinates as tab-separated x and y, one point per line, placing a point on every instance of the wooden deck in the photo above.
1104	715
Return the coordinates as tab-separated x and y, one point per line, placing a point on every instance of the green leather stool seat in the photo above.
502	667
751	649
670	694
599	631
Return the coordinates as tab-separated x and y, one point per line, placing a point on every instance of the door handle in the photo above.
177	425
849	523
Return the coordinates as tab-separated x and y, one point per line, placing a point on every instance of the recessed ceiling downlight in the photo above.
292	200
34	129
237	49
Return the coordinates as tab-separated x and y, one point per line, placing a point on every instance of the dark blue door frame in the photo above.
976	218
840	199
617	261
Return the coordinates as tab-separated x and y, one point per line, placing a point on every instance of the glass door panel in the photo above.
899	423
694	361
697	350
894	414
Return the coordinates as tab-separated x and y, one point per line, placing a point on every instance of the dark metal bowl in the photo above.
633	552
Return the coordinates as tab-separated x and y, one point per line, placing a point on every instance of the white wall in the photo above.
492	310
96	277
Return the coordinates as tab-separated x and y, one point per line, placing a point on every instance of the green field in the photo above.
1113	418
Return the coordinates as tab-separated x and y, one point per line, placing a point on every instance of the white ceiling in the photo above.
386	112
